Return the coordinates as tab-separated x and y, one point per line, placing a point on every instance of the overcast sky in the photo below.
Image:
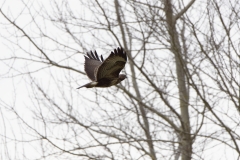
15	85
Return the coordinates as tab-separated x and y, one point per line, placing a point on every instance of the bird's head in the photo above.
122	77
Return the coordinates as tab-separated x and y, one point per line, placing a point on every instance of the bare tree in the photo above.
181	96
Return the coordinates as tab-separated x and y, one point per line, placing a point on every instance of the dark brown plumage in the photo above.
105	73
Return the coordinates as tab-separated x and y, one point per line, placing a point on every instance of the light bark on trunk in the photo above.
186	142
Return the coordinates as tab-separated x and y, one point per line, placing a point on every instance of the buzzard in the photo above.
105	73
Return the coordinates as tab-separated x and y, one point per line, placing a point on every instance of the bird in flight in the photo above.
105	73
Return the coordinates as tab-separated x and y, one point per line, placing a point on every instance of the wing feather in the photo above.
112	66
96	55
102	58
92	62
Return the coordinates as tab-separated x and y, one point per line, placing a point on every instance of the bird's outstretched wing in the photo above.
111	67
92	63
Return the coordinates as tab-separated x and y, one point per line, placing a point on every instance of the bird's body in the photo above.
105	73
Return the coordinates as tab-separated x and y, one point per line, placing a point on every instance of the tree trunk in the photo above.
186	142
145	126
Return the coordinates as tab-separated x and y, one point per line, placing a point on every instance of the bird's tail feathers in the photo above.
89	85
